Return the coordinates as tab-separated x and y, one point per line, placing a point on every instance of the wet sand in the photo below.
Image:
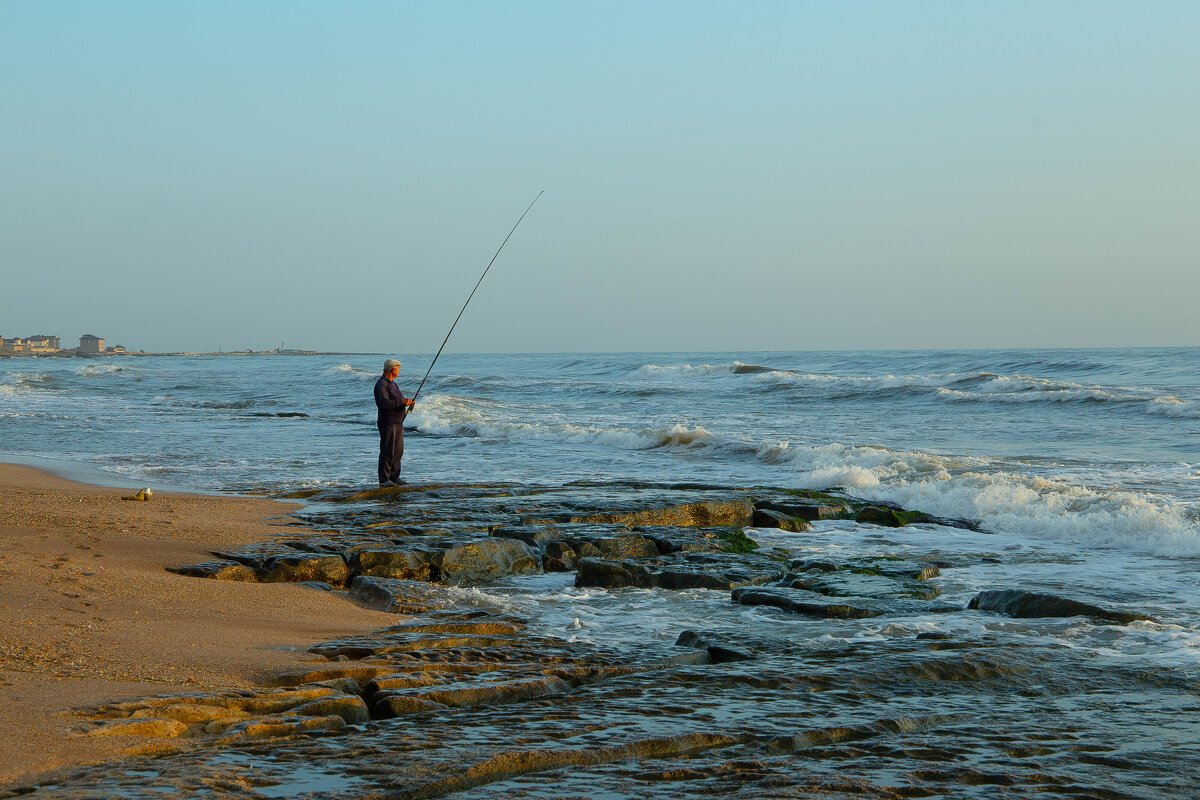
88	612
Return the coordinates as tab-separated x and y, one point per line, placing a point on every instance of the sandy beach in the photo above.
88	612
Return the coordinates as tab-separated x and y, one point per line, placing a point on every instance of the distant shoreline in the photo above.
142	353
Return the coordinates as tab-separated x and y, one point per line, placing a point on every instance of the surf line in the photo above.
464	308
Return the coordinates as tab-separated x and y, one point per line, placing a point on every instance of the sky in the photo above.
717	176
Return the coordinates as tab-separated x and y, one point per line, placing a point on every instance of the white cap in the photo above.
390	364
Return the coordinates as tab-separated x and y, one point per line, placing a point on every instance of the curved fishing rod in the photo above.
464	308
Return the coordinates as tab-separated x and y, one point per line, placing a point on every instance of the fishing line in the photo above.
464	308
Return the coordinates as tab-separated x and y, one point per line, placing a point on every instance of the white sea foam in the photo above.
349	370
1004	501
93	370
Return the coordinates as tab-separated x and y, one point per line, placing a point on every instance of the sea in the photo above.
1081	468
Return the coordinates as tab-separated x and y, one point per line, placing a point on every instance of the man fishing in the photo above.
393	406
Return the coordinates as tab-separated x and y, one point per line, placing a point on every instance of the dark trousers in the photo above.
391	450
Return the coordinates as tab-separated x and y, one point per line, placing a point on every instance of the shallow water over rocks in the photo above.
535	685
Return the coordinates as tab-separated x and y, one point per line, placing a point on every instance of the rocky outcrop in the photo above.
770	518
818	606
218	570
681	571
1027	605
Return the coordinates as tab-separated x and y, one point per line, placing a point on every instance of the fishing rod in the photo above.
464	308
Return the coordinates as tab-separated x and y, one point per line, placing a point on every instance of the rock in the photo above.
159	728
1026	605
806	511
767	518
681	571
855	583
487	560
218	570
632	545
258	730
358	673
304	567
890	517
350	708
399	564
724	655
559	557
690	515
811	604
402	705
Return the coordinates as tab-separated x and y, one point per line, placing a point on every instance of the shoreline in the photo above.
89	613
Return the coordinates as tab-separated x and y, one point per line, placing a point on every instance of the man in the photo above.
393	406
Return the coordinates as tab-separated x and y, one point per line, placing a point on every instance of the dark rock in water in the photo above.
811	604
302	567
559	557
807	511
808	604
537	536
220	570
856	584
1027	605
932	636
724	655
681	571
890	517
769	518
691	639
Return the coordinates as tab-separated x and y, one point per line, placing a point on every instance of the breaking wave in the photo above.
952	387
460	416
352	371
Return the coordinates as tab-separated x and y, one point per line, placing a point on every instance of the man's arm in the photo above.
389	401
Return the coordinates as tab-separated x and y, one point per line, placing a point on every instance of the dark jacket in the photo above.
390	402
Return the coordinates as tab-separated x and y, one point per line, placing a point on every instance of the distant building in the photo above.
90	345
117	348
44	344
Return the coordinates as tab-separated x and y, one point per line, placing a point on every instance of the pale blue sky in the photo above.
717	175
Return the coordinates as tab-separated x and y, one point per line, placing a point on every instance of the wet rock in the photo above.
300	567
396	563
692	515
632	545
487	560
769	518
811	604
854	584
350	708
811	511
559	557
218	570
399	705
1026	605
681	571
360	674
717	654
158	728
890	517
259	730
723	655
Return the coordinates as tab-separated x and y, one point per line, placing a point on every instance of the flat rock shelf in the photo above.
621	639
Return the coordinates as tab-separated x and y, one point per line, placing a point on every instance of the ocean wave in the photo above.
1005	501
955	387
349	370
93	370
472	417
